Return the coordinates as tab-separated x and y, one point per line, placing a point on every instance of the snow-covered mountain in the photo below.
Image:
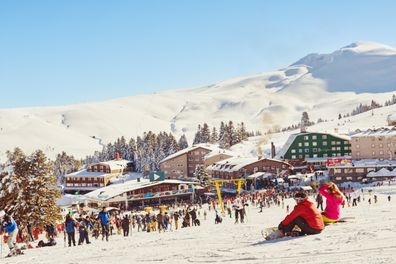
323	85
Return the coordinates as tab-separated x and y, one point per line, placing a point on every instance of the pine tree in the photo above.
205	134
214	137
201	174
183	142
28	191
197	137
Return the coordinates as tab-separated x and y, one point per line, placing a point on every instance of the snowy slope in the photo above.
369	238
316	84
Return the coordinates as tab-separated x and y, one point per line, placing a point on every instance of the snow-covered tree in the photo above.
205	134
201	174
183	142
28	190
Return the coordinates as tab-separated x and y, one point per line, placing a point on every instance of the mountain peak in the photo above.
371	48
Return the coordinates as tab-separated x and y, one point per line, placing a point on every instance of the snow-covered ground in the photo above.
369	238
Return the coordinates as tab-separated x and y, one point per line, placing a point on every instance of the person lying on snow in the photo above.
304	216
334	198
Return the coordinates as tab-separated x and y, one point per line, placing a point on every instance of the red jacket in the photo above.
308	211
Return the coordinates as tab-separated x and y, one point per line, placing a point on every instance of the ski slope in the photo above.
324	85
369	238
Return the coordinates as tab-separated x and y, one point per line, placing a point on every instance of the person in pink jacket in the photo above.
334	198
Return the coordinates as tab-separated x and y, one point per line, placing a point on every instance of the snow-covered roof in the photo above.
114	164
114	190
292	137
383	131
382	173
70	199
85	173
216	151
186	150
236	163
368	163
259	175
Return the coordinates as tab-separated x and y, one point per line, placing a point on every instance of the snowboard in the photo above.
270	233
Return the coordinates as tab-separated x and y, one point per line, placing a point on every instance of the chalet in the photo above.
235	168
183	163
96	175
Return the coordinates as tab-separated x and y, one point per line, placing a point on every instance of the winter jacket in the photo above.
308	212
9	224
70	225
333	203
104	217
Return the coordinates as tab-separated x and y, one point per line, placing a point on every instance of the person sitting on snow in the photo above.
334	198
305	216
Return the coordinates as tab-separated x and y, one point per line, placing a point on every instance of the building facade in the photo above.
96	175
235	168
374	144
183	163
307	145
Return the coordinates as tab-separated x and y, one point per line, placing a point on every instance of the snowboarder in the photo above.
305	216
334	199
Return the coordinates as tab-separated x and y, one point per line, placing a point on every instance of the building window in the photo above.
306	138
293	151
357	146
293	156
306	144
300	156
315	150
373	145
373	153
314	143
333	142
324	143
300	151
338	148
314	137
307	155
324	136
325	155
346	142
306	150
338	142
333	148
381	145
315	155
300	144
359	170
381	152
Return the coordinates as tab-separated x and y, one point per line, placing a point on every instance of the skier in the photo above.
334	199
304	215
70	225
104	217
389	198
8	224
176	218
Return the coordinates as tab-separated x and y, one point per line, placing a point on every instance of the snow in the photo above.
323	85
383	131
368	238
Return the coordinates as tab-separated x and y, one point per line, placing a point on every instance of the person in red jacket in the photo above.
305	216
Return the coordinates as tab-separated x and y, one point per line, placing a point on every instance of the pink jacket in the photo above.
333	203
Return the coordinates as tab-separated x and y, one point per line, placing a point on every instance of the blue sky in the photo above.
66	52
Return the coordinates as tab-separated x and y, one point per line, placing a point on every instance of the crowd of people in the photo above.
305	219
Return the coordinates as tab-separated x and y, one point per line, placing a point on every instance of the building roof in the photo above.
368	163
114	190
85	173
383	131
236	163
281	154
186	150
382	173
114	164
